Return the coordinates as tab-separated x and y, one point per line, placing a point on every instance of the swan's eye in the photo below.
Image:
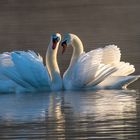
55	39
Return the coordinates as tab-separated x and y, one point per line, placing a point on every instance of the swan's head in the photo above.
55	40
68	41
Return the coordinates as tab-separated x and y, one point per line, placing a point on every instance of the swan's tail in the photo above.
118	82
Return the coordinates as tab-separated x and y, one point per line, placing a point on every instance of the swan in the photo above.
24	71
98	69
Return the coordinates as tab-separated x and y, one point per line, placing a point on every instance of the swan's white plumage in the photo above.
90	70
117	82
24	71
104	73
7	85
111	55
124	69
33	71
86	67
7	71
5	59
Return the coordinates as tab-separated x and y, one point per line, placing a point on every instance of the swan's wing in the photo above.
37	56
4	61
31	68
111	55
26	69
89	71
7	86
124	69
8	70
118	82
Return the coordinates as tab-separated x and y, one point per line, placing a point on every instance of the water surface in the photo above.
103	114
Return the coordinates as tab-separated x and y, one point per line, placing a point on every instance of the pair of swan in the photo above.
101	68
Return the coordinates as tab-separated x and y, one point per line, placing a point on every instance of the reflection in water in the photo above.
76	115
23	107
109	114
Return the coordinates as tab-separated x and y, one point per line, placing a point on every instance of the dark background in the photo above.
28	24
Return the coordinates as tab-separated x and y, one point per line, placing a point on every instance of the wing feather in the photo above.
8	70
31	68
89	69
124	69
25	69
111	55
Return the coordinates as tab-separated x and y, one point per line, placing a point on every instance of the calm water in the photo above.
104	114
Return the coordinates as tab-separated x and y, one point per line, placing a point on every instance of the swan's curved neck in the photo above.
52	66
77	50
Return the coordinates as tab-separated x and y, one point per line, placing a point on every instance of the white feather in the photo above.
118	82
90	70
111	55
33	70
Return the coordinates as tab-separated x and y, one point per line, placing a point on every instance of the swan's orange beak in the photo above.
64	45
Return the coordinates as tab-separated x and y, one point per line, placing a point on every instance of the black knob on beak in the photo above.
64	45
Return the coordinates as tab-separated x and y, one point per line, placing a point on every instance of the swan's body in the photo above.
22	71
98	69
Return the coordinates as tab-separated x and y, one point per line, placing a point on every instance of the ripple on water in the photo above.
105	114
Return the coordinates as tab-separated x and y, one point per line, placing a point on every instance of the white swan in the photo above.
22	71
100	68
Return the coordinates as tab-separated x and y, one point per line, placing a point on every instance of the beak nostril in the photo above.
55	39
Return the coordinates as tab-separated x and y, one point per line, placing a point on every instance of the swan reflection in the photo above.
22	108
112	113
60	115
